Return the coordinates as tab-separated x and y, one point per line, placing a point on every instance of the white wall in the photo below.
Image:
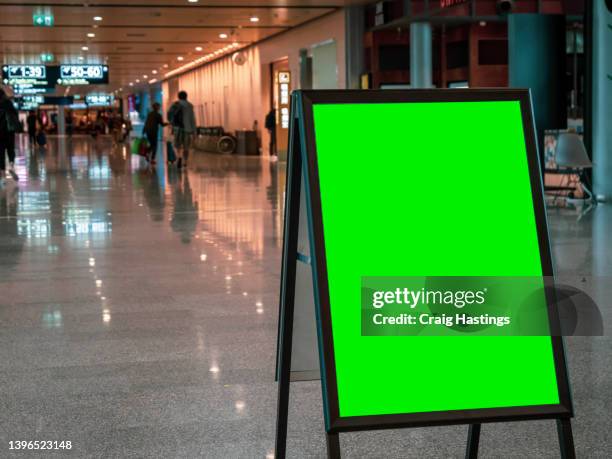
233	96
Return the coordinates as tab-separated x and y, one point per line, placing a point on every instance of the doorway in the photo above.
280	91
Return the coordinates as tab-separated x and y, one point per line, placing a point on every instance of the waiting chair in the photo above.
571	154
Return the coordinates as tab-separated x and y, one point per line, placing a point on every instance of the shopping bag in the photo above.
144	148
136	145
140	146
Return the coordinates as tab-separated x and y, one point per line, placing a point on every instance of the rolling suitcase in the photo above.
41	139
171	154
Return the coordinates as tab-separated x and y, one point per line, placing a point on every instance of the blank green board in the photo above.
428	189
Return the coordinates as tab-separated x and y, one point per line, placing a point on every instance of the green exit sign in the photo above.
43	20
47	57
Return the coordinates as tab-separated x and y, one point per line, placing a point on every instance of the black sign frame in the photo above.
302	164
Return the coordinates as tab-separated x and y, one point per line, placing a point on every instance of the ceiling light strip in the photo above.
203	59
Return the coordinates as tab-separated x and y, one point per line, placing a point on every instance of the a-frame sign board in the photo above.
417	183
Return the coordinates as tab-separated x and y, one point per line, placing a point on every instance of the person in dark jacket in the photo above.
271	127
9	125
182	117
151	130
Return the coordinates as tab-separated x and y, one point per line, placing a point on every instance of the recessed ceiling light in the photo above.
222	35
193	1
254	19
85	48
198	48
97	18
137	81
154	72
91	35
145	77
180	58
165	66
131	84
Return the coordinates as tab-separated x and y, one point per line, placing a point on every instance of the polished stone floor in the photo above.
138	315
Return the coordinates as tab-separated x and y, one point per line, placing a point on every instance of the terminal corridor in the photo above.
138	314
139	303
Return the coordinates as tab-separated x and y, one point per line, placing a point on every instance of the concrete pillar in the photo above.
145	104
537	60
420	55
61	120
602	99
354	32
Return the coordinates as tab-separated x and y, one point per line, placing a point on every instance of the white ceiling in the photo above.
137	37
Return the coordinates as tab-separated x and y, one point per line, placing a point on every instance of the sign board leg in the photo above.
287	297
473	441
333	446
282	410
566	438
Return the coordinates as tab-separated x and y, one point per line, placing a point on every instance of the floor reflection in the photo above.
71	187
185	207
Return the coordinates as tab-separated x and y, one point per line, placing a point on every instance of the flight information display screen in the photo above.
36	72
29	79
99	100
76	74
28	102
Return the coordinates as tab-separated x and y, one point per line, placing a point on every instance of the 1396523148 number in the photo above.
39	445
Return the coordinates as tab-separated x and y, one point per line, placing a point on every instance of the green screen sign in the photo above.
424	189
406	188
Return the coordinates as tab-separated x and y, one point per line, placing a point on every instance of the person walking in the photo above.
182	118
271	127
32	121
151	130
9	126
